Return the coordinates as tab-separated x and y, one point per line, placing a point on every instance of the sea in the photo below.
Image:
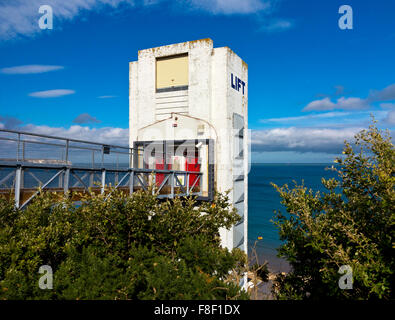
263	200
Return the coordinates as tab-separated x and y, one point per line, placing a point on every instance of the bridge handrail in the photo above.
62	138
76	168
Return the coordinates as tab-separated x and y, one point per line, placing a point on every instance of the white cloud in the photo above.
51	93
231	6
351	103
108	135
307	117
386	94
387	105
20	17
341	103
324	140
85	118
309	141
106	97
30	69
276	25
301	140
323	104
390	118
9	122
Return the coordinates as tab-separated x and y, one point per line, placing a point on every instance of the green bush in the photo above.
350	224
122	247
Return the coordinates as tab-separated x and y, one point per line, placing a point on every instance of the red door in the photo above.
159	165
191	164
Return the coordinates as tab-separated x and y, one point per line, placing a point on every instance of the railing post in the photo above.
67	152
103	180
19	144
91	179
130	158
201	184
102	156
18	177
172	185
22	185
187	185
60	184
23	171
154	183
131	182
66	181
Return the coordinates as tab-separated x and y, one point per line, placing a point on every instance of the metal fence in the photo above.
31	161
43	149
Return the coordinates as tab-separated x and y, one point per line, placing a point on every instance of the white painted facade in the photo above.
209	108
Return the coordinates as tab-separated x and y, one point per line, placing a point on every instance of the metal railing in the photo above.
20	146
31	161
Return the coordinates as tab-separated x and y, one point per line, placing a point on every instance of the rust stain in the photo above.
244	64
231	51
205	40
189	44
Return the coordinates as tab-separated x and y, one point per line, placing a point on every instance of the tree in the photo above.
351	223
116	246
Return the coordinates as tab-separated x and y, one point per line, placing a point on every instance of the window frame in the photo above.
173	88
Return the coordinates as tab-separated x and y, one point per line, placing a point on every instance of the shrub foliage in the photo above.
351	223
120	247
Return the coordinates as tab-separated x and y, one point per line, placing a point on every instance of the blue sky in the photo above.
311	84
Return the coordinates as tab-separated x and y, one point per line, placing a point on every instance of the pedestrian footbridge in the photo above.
31	163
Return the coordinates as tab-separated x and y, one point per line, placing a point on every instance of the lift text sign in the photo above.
237	83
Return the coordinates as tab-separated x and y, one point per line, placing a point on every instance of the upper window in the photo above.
172	73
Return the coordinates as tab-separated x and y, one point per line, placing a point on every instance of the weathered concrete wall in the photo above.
205	110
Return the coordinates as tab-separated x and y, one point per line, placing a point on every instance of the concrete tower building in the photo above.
189	104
